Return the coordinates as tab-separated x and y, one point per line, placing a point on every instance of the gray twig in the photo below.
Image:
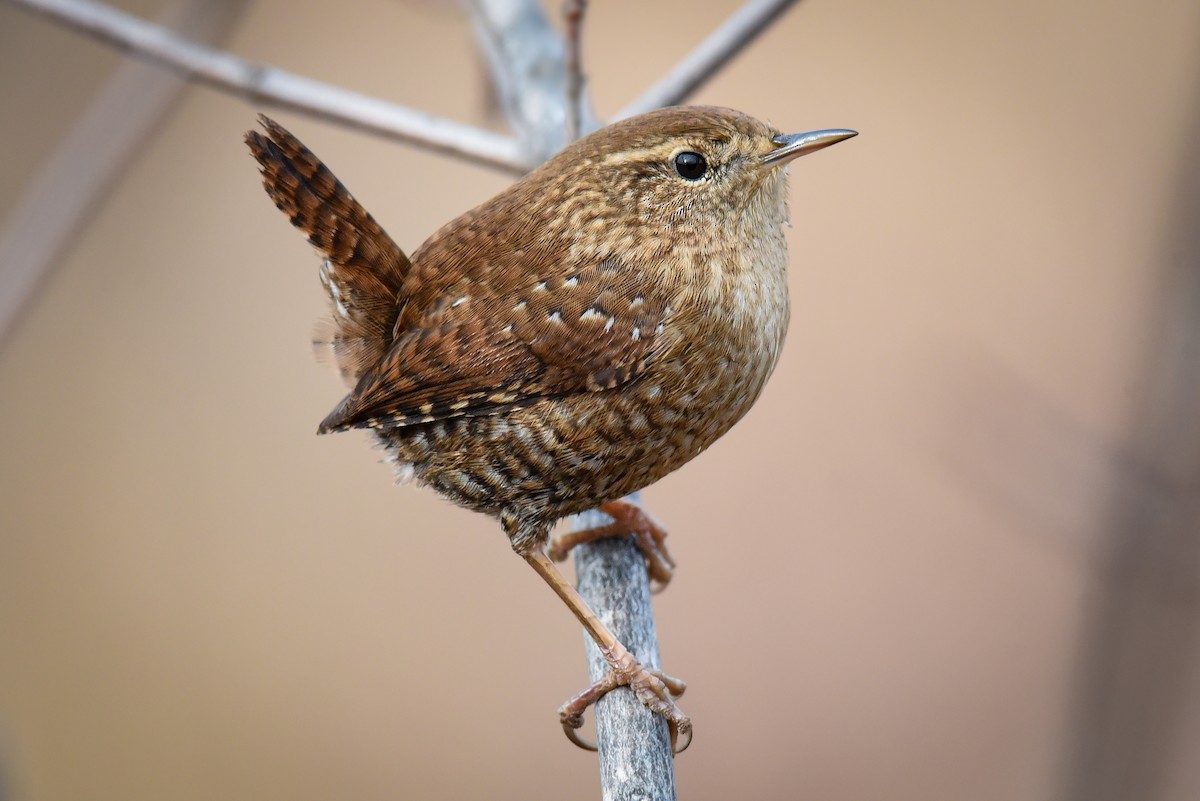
635	744
573	13
527	61
267	86
709	56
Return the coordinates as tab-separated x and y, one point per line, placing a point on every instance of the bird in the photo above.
585	332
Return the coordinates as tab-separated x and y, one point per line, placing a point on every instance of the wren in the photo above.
572	340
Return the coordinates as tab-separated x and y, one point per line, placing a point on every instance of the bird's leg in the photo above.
653	688
628	519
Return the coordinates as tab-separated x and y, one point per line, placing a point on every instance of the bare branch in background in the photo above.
527	61
1138	656
105	136
573	13
267	86
709	56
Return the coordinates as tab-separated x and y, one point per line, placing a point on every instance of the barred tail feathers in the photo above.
363	268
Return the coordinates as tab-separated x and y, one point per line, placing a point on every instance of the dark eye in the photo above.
690	166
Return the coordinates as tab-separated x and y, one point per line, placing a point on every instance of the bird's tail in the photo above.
363	269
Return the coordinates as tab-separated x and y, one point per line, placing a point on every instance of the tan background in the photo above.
950	555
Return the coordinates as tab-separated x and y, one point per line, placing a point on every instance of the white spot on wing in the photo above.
637	333
555	317
460	301
608	325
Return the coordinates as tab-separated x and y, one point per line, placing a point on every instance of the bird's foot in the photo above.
653	688
628	519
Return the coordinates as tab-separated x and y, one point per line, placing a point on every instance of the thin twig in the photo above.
709	56
526	57
267	86
634	743
573	12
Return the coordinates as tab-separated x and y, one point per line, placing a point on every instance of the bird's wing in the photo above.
485	345
363	269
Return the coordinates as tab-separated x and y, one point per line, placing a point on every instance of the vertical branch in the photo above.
540	82
1137	659
634	743
573	13
525	60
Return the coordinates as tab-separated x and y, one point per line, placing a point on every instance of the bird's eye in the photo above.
690	166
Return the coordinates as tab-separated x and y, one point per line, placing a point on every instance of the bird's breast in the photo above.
733	325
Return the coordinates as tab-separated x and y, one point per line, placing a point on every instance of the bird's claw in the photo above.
628	519
655	689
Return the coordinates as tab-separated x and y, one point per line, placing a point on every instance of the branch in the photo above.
573	13
528	68
709	56
267	86
51	211
634	743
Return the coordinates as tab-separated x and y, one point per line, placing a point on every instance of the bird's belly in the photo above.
660	422
563	456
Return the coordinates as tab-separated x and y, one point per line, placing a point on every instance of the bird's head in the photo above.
679	171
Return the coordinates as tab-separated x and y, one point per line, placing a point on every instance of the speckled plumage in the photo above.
549	351
577	337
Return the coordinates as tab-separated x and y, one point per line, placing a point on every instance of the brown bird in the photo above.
572	340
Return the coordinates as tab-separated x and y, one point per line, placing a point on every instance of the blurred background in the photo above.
951	554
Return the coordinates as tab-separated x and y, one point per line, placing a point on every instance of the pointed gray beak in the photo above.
799	144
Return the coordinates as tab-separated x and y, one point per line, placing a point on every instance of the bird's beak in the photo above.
799	144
